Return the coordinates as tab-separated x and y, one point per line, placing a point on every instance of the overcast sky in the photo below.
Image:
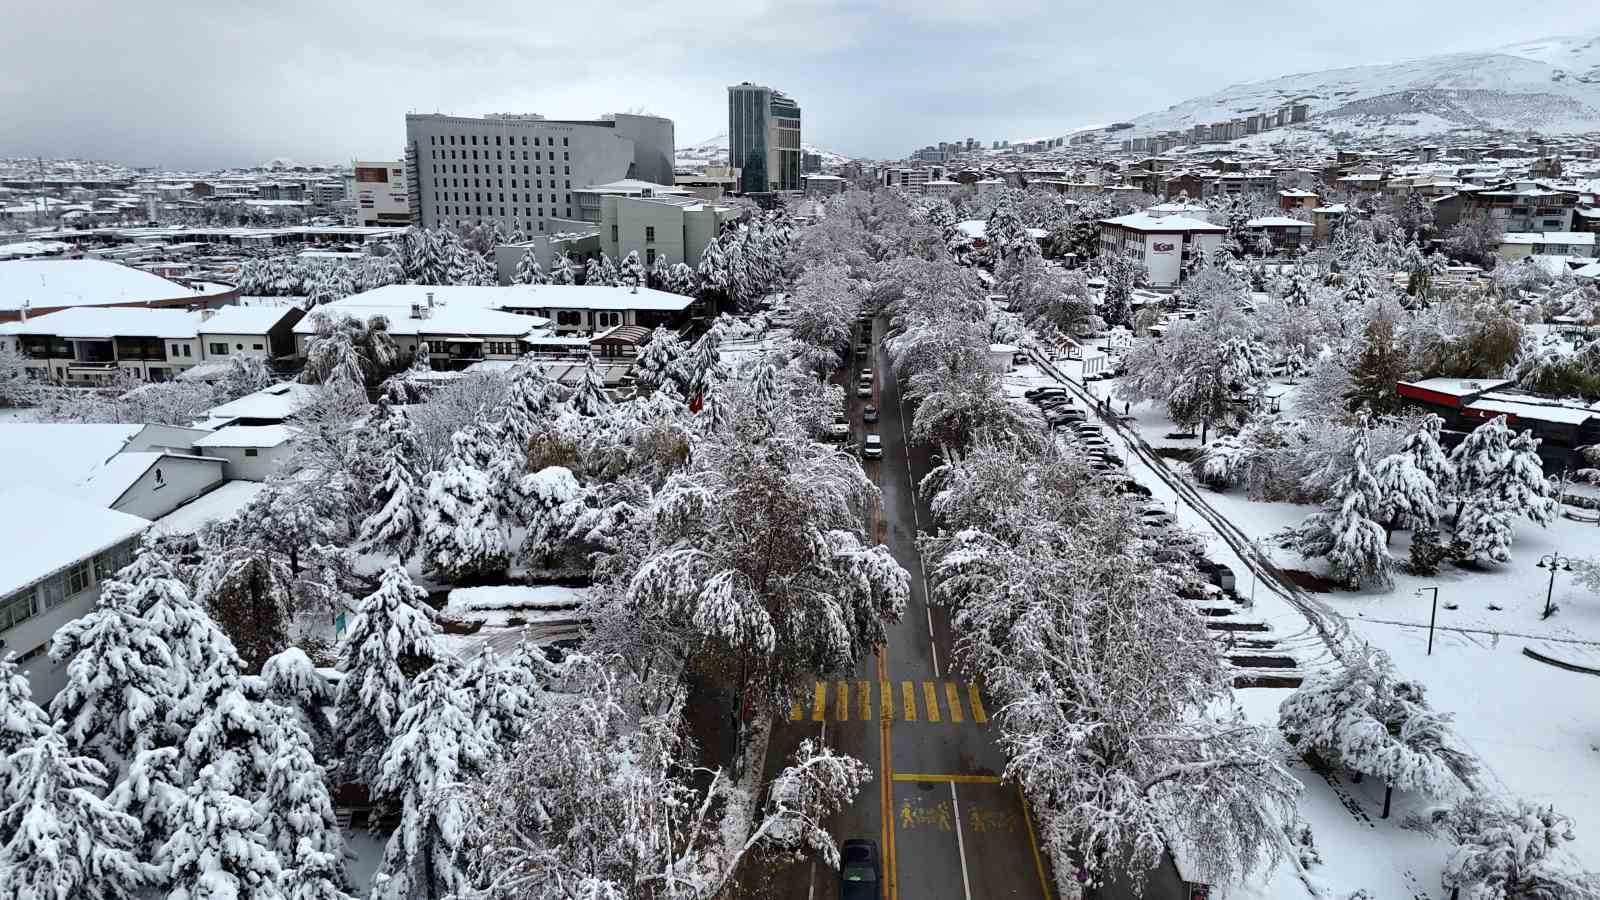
184	83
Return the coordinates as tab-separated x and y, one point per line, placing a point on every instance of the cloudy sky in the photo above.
185	83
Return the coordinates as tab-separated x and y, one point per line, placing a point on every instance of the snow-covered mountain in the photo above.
1551	86
714	151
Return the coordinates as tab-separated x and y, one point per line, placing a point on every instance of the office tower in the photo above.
763	138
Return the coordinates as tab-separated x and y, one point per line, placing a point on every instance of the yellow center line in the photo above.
953	700
842	708
1033	844
910	694
819	704
865	700
930	698
957	779
978	713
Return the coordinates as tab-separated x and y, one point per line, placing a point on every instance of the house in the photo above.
1515	246
1324	219
40	286
1286	235
1465	403
145	470
262	331
1523	206
272	405
56	550
674	229
1161	244
248	452
151	483
95	345
1297	199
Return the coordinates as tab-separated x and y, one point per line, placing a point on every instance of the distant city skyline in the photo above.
315	84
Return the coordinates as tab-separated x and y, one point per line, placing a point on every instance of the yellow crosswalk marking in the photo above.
796	713
885	700
911	700
953	700
819	705
930	698
842	709
978	715
865	701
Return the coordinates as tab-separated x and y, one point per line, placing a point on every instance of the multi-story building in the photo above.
95	345
1161	244
1523	206
763	138
672	228
912	179
380	193
520	171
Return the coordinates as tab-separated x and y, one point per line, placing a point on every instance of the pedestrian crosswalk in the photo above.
935	702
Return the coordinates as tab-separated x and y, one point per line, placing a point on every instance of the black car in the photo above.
858	871
869	413
1034	393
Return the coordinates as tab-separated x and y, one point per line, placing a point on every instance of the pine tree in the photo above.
291	681
561	271
590	398
593	275
660	275
659	361
21	720
683	280
118	694
1344	530
609	275
528	270
1381	365
63	842
532	399
249	591
299	823
389	642
1428	456
463	535
1478	460
152	794
1522	487
1406	495
436	743
631	273
500	692
218	849
396	500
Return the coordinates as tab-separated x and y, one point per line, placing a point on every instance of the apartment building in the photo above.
1523	206
520	171
34	287
912	179
674	229
380	193
1161	244
763	138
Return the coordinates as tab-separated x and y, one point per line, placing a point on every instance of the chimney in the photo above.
23	311
416	310
430	299
206	313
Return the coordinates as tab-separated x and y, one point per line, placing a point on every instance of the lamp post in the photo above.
1432	618
1553	561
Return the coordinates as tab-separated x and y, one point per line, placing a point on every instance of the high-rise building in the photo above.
380	193
763	138
519	171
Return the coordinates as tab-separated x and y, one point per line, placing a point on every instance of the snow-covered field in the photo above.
1532	725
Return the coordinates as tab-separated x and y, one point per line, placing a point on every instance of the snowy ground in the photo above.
1533	725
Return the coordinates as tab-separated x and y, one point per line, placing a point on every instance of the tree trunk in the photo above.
1388	794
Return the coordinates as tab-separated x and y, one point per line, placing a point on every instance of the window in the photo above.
610	319
569	317
186	349
78	579
18	608
563	142
613	233
649	232
650	256
238	346
175	351
256	347
217	348
112	561
251	451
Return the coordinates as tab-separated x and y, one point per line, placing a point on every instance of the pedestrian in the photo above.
1127	405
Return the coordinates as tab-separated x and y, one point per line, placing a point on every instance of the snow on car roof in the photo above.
34	546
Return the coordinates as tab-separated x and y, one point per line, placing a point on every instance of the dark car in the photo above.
869	413
858	871
1033	393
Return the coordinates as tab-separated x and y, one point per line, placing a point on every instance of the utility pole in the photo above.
1432	618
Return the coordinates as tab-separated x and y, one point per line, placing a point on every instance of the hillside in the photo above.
1550	85
714	151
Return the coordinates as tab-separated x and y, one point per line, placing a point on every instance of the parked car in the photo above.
869	413
1035	393
864	389
858	871
1066	415
1127	485
840	429
873	448
866	374
1020	359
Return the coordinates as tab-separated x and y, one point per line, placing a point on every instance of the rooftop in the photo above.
34	546
244	319
81	282
55	456
1143	221
247	436
104	323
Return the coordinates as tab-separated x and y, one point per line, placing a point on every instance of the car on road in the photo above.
840	429
873	448
869	413
866	374
864	389
858	871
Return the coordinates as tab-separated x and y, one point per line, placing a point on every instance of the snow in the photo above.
1276	222
1143	221
214	506
244	319
107	483
1458	387
80	282
109	322
247	436
1544	412
48	531
464	601
280	401
58	457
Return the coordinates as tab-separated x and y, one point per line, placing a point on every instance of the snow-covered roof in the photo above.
1337	209
280	401
107	483
1532	408
1296	192
1458	387
108	322
58	457
1549	237
494	298
978	229
247	436
212	506
244	319
1276	222
81	282
460	319
1144	221
48	531
629	186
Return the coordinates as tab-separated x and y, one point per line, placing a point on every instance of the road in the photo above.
946	826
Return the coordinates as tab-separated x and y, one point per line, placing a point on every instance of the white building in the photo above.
34	287
248	452
380	193
674	229
1161	244
90	345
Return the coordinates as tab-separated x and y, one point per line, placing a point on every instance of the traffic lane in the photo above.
994	851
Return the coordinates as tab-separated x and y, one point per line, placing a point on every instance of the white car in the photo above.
864	389
873	448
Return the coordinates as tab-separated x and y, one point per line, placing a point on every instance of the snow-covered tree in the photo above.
561	269
1407	496
21	719
294	683
219	848
389	642
1363	717
462	534
118	693
152	793
435	744
1511	850
298	822
397	499
62	841
1346	530
589	398
658	364
249	591
528	270
631	273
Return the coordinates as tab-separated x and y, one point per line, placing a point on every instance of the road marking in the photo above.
958	779
910	693
885	700
819	705
931	698
953	700
1033	844
885	789
978	714
796	712
865	701
961	843
843	706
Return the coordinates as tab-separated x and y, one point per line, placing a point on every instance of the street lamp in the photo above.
1553	561
1432	618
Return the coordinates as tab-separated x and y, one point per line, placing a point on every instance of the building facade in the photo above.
1161	244
763	138
519	171
380	193
673	229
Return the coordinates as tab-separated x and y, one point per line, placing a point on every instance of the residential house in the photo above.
248	452
266	332
1286	235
